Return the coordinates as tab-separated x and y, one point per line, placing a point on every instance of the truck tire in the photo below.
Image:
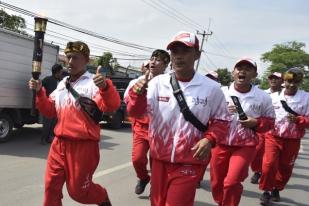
6	125
116	121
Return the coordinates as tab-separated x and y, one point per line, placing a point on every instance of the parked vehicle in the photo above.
115	119
16	52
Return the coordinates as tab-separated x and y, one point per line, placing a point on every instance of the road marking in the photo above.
111	170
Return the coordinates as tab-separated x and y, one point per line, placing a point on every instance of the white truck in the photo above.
16	53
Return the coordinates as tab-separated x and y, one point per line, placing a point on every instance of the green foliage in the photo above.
107	62
12	22
284	56
224	76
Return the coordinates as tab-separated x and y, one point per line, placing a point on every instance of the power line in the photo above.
93	45
169	13
74	28
220	55
180	14
205	37
211	62
175	14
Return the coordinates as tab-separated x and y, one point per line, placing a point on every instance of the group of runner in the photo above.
185	120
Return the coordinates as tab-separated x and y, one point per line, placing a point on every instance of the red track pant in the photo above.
257	162
139	156
205	168
280	155
73	162
229	167
174	184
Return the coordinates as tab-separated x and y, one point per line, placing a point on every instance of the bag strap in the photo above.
75	94
188	115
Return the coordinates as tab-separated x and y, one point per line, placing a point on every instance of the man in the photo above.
234	152
50	84
283	142
159	60
178	148
74	153
275	85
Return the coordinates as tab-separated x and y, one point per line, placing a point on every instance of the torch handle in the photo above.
33	108
39	30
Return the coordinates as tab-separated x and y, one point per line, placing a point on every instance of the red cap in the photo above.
187	38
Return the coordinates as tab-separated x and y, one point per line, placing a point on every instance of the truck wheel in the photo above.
6	125
116	121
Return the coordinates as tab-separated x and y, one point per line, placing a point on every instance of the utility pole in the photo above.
205	37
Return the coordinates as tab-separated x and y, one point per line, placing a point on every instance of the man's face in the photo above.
58	75
244	73
157	66
76	62
274	81
183	57
291	86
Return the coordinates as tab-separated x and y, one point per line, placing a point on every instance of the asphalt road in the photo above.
22	166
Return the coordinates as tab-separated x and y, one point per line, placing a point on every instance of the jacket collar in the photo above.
195	81
251	93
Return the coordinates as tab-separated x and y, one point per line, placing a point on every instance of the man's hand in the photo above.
99	79
141	85
202	148
231	108
249	123
35	84
292	118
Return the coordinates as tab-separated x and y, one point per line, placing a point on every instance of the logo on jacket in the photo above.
255	108
199	100
163	99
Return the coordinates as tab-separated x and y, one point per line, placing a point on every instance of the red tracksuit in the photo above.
175	173
140	146
234	153
283	142
74	153
256	164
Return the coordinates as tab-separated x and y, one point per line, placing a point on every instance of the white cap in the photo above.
247	60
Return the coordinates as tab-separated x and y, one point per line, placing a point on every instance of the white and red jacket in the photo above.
171	136
298	103
256	104
73	122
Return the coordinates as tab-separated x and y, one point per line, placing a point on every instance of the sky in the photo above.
239	27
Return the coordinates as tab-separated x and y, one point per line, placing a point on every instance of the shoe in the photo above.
199	185
275	196
255	178
106	203
140	186
265	199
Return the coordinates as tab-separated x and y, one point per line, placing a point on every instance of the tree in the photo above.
105	61
12	22
284	56
224	76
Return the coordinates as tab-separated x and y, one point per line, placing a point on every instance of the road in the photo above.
22	165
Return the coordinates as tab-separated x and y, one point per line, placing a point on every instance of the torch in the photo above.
39	30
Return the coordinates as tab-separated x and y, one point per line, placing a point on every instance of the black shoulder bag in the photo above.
88	105
188	115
